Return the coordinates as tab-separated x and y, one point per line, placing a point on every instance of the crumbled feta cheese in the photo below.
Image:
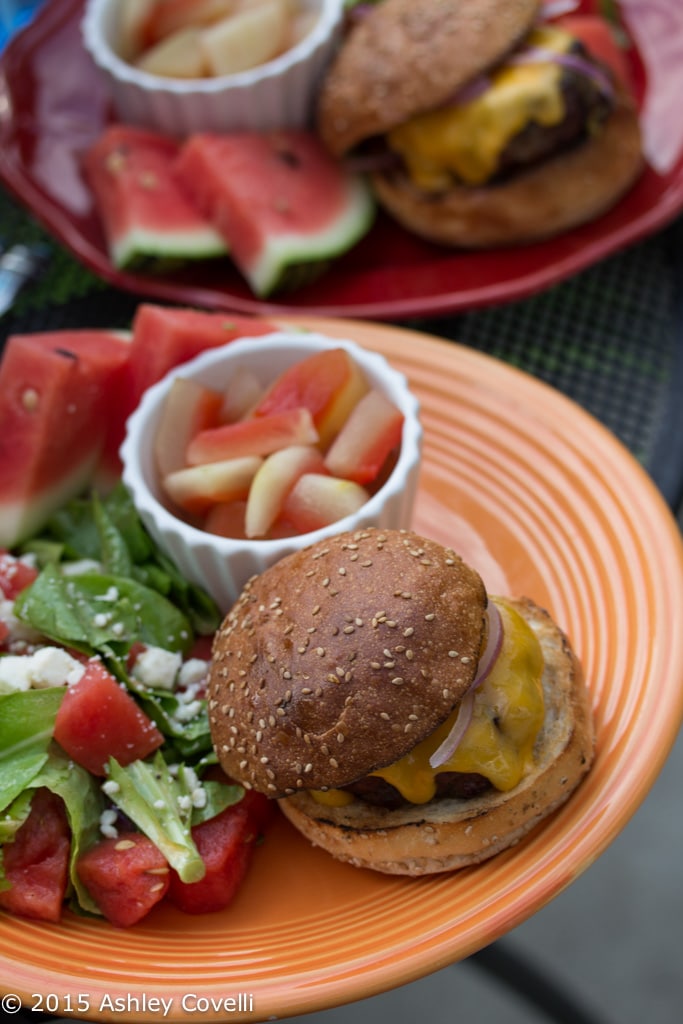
199	797
157	668
186	712
193	672
108	824
53	666
110	787
14	674
18	632
48	666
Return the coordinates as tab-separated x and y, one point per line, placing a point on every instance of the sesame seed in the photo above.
334	762
430	616
397	680
452	654
124	844
465	660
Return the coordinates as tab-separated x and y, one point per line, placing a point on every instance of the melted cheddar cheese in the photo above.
466	140
499	742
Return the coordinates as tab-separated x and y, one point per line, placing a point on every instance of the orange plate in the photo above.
543	501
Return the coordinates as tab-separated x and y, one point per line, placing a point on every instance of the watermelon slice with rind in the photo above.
58	390
283	205
148	220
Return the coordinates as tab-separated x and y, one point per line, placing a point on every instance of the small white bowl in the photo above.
223	565
279	94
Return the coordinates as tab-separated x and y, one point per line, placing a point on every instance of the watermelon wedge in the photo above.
166	337
56	390
282	204
148	221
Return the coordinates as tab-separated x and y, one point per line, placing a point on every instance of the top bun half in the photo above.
340	658
409	56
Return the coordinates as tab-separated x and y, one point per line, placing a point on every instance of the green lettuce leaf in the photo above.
26	724
159	802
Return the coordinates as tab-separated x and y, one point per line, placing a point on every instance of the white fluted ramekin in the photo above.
223	565
278	94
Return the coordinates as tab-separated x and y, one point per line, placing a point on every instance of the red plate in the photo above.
53	105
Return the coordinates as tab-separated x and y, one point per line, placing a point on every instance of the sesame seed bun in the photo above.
337	660
445	835
408	56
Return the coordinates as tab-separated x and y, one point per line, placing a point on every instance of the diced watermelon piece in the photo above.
327	383
258	436
145	213
36	863
57	392
15	575
278	198
273	482
316	501
126	876
189	408
99	719
226	844
196	488
172	15
370	434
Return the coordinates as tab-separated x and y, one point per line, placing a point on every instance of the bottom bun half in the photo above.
445	835
556	195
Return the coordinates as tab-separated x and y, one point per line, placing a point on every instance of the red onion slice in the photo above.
494	642
460	727
572	61
556	8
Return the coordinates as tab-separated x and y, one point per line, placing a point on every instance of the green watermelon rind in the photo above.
266	274
144	248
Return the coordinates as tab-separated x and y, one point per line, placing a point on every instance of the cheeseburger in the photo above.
481	124
405	721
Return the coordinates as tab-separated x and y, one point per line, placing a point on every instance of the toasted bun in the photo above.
408	56
448	834
337	660
560	193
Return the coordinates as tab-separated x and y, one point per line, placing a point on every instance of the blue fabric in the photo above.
14	16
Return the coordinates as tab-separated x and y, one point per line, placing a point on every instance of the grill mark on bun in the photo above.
340	658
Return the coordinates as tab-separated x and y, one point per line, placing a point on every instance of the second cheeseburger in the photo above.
406	721
482	124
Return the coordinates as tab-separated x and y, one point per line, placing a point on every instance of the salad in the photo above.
111	798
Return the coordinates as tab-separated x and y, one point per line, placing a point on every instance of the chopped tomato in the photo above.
99	719
15	575
226	844
126	876
36	863
599	39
